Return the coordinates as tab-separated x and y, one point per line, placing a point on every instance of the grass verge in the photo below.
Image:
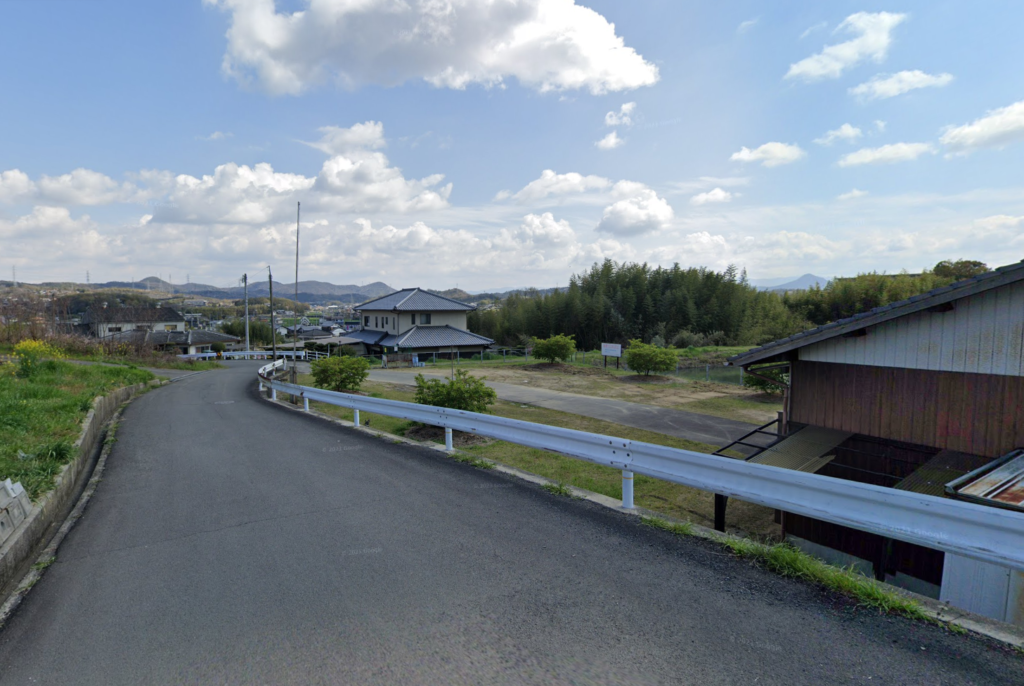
41	416
784	559
674	500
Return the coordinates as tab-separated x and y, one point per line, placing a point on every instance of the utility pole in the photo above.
86	277
14	276
295	361
245	280
273	326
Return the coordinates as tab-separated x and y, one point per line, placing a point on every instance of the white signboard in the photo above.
611	350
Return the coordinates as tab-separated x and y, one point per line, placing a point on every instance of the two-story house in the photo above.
413	320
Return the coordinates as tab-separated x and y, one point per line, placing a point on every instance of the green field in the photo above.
41	416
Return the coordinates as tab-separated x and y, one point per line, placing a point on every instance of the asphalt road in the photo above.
234	542
691	425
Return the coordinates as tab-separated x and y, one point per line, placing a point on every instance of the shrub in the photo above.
644	358
340	373
758	384
464	392
555	349
218	347
32	354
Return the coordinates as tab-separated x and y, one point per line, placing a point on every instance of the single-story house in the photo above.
104	321
912	396
416	321
177	342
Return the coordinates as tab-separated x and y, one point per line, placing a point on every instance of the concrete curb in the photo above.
1002	632
42	523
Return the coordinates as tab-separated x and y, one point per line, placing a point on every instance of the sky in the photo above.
495	144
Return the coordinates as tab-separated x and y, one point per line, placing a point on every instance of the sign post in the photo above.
611	350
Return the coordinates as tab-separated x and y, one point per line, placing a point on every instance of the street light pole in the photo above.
273	326
295	360
245	280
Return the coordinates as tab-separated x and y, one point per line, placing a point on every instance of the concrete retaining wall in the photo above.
30	537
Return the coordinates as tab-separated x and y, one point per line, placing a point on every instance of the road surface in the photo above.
234	542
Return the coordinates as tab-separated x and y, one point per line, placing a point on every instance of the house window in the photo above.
376	322
425	318
170	327
366	320
114	329
413	319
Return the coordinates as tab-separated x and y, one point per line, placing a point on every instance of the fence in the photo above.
983	533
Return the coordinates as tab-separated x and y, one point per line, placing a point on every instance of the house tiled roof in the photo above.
415	300
938	296
133	315
435	337
367	337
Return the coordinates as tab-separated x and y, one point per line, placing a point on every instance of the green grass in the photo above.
672	499
784	559
732	407
41	416
558	489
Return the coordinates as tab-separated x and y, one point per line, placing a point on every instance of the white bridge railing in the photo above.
976	531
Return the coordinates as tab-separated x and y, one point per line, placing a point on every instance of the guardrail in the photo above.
246	355
983	533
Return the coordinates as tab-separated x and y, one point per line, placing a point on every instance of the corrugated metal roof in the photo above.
415	300
1000	483
931	477
961	289
803	451
435	337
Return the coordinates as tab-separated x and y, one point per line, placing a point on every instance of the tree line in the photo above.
618	302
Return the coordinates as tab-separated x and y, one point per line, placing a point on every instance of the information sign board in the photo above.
611	350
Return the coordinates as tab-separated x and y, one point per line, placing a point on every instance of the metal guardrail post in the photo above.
355	417
305	403
273	393
448	439
627	489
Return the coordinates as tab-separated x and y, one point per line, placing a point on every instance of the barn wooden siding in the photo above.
982	414
982	334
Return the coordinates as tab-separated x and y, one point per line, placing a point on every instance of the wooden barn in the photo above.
914	395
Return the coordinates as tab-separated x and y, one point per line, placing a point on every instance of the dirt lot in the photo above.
722	400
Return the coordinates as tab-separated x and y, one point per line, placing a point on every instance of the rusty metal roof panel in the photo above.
999	483
931	477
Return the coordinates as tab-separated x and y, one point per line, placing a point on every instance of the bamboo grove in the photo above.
693	306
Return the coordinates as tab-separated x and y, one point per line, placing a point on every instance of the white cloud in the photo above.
610	142
15	186
554	184
747	25
715	195
880	125
337	140
852	195
873	37
996	129
44	222
890	85
622	117
354	179
643	213
846	132
85	187
549	45
886	154
811	29
216	136
770	154
703	182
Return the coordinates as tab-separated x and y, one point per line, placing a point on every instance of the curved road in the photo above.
234	542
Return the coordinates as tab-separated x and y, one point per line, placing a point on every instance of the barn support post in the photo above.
720	503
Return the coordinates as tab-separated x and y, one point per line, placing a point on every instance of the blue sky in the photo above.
461	142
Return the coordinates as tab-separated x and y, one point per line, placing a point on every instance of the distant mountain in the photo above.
789	283
309	291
